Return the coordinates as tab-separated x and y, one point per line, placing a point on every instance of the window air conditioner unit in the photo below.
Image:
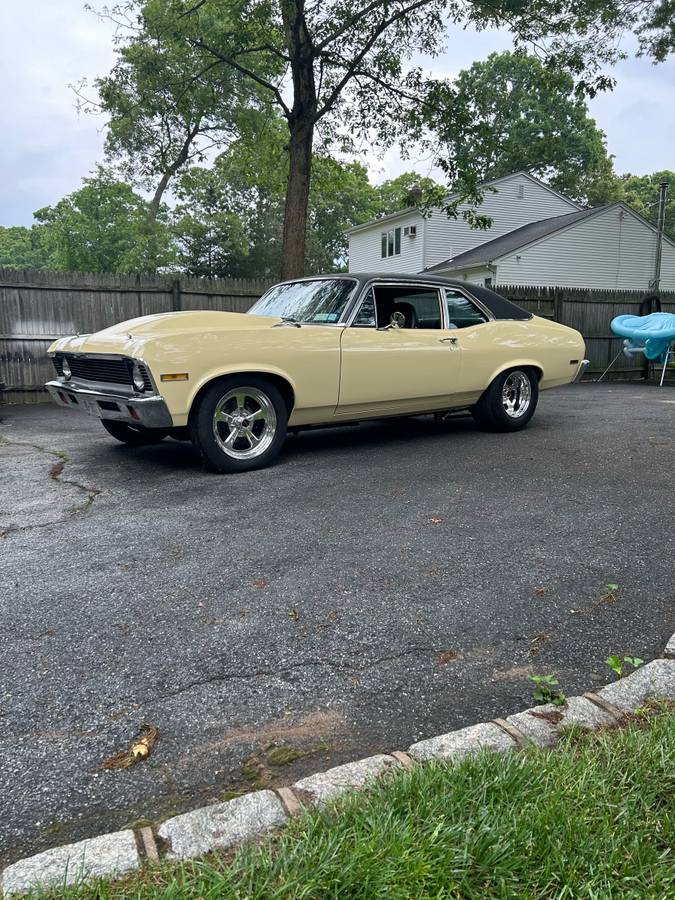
410	231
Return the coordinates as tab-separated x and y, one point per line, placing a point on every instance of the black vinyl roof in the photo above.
499	306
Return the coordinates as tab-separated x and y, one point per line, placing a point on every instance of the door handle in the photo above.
453	341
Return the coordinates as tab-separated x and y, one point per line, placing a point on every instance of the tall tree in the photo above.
103	227
516	113
229	220
346	63
340	70
166	106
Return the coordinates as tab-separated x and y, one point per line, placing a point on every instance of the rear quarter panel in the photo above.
495	346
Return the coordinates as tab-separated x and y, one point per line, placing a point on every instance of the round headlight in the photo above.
65	368
137	378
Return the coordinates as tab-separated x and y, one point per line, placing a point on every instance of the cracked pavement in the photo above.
381	584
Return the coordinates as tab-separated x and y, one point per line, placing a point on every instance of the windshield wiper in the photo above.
287	320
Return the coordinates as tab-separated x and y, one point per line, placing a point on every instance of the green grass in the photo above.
593	819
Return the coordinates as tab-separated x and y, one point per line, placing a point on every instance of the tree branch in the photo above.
376	4
200	44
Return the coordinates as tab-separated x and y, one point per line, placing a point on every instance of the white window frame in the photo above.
390	242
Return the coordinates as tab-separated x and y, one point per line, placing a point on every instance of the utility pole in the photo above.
663	195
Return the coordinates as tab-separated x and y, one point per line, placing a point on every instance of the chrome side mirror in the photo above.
396	321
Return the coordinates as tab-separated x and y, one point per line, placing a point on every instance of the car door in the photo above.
385	368
485	344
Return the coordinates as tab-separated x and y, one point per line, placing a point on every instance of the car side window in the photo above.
408	307
461	311
365	317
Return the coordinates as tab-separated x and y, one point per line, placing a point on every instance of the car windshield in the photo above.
321	302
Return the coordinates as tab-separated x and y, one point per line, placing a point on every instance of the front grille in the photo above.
110	371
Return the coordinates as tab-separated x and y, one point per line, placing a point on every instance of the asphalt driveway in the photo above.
382	583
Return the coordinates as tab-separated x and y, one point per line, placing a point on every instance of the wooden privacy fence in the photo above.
37	307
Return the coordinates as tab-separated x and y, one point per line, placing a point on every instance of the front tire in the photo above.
239	424
134	435
509	402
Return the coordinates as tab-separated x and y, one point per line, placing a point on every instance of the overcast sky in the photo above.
46	149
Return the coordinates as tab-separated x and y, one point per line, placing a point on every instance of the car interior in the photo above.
415	307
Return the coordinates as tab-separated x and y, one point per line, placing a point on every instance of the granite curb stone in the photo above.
485	736
541	724
108	855
655	679
326	786
222	825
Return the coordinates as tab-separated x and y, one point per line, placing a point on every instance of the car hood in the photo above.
129	337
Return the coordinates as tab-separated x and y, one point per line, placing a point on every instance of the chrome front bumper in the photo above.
583	365
150	412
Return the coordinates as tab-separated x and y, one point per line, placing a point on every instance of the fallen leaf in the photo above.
260	583
139	750
540	591
293	614
447	656
435	520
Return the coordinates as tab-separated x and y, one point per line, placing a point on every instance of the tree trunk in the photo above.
170	171
153	207
297	197
301	119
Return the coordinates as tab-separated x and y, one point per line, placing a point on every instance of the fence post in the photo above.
176	296
557	305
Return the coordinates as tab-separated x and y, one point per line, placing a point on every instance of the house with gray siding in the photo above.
410	241
607	248
537	238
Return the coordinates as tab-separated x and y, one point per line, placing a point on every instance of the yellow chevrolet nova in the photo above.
315	351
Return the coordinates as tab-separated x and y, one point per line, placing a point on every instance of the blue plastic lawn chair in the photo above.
652	335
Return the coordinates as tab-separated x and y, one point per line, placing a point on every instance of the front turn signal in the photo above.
175	376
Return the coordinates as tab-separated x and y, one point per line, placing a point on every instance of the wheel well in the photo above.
284	387
536	369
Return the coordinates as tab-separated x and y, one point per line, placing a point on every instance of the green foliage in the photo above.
347	72
642	193
22	248
593	819
616	664
546	691
340	196
103	227
165	107
512	112
408	189
229	218
656	29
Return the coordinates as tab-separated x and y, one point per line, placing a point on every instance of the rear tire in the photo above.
509	402
134	435
239	424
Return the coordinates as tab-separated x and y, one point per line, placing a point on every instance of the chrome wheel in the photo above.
516	394
244	423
